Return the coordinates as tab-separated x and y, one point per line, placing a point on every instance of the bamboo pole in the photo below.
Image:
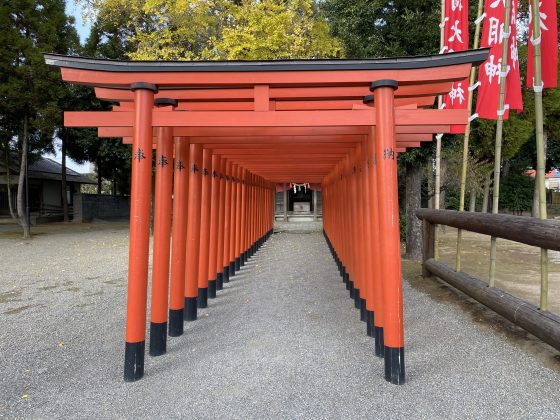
539	135
472	79
437	185
499	133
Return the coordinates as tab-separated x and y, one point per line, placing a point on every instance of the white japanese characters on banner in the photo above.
456	38
549	45
489	72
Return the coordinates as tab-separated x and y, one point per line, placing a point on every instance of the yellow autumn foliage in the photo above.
223	30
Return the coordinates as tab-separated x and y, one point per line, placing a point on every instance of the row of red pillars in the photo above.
210	216
361	225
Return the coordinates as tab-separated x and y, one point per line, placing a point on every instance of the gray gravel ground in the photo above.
282	340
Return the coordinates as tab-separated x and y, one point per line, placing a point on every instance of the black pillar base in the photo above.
190	309
220	281
394	365
370	319
175	322
134	361
379	341
356	298
363	310
231	269
350	288
158	338
225	275
237	264
212	287
202	301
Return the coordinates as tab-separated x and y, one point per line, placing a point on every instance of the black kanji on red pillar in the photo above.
194	168
139	155
162	161
388	153
180	165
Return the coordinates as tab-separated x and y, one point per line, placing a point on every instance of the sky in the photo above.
74	8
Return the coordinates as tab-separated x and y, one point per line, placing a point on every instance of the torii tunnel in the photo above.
225	133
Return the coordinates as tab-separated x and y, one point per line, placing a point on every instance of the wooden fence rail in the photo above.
526	230
539	233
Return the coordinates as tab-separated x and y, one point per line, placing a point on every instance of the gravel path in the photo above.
282	340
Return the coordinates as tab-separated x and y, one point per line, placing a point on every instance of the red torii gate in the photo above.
225	133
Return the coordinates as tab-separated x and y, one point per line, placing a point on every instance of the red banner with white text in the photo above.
489	72
549	45
456	38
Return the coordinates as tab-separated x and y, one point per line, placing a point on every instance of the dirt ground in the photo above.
517	265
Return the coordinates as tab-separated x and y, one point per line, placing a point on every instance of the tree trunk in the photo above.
22	177
9	181
472	202
486	194
98	164
63	177
413	203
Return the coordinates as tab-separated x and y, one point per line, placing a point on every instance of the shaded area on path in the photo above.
281	340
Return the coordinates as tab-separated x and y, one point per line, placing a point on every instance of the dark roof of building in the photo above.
45	168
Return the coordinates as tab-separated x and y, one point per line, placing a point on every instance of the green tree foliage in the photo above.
30	90
28	87
380	28
516	192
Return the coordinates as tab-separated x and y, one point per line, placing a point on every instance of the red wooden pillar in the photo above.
261	211
221	218
355	244
214	222
161	245
179	236
247	234
204	247
360	237
140	198
238	217
271	207
368	247
243	230
252	219
193	232
232	219
376	277
227	221
346	220
385	147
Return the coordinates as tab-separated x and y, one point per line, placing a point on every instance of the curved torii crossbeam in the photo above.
225	132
